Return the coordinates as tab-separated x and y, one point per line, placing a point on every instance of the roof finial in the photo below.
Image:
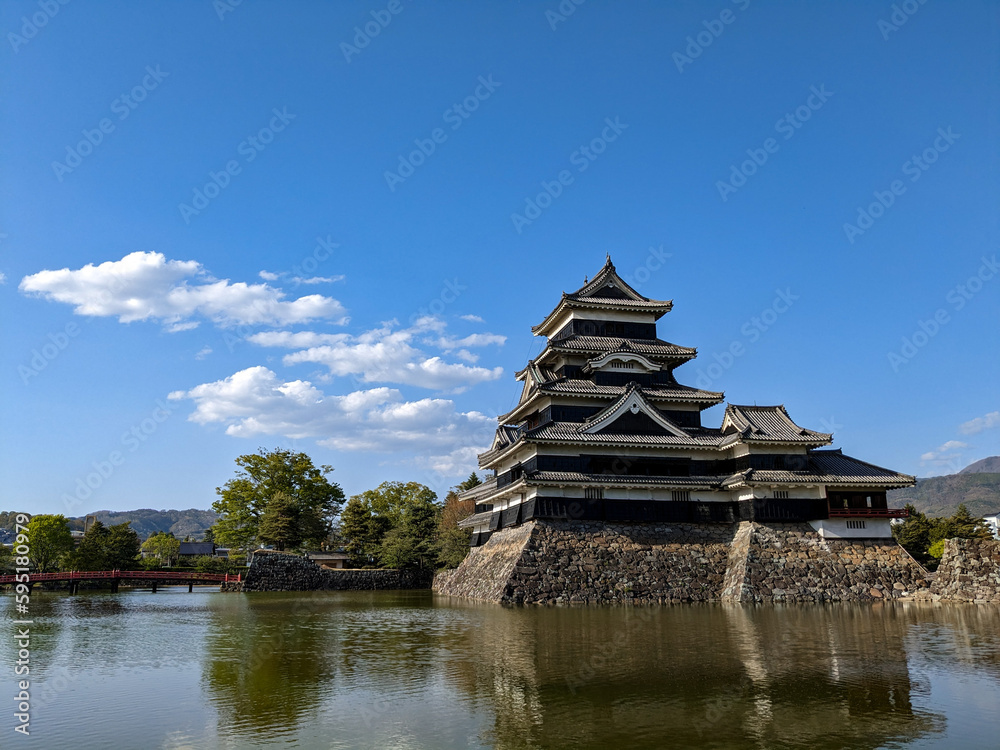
586	279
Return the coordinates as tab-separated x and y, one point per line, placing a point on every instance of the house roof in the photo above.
197	548
767	424
607	290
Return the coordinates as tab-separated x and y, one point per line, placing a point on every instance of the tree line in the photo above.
278	498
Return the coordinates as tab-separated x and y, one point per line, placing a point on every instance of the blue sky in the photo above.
293	232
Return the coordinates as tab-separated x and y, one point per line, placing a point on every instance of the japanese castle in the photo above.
604	431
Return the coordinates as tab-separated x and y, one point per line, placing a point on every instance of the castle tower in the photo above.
604	431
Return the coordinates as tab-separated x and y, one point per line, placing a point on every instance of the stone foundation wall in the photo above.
486	571
791	562
969	571
550	562
275	571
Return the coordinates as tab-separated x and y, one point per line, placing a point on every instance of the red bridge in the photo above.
155	577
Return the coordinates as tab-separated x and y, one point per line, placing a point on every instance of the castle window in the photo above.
855	524
680	496
781	495
593	493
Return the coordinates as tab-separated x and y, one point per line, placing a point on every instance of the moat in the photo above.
409	669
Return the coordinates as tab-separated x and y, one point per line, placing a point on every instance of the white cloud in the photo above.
256	402
144	286
381	355
471	318
317	279
447	343
3	278
977	425
205	351
268	276
948	454
466	355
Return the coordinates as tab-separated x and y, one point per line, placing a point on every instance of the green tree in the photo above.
50	540
453	542
963	525
107	548
271	476
164	546
468	484
279	524
395	524
6	558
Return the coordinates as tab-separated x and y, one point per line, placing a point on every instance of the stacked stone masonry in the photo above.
969	571
549	562
274	571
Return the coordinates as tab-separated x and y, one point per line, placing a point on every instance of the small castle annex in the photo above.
606	486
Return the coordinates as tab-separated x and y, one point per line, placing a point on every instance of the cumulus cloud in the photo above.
383	355
147	286
471	318
255	402
977	425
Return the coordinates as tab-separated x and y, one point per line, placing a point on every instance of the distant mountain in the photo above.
989	465
146	521
941	496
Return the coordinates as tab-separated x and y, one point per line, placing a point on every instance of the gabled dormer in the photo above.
631	414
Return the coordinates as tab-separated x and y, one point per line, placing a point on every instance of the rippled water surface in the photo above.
408	670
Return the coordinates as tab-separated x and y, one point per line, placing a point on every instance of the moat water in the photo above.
387	670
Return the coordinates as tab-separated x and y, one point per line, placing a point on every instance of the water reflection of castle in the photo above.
706	676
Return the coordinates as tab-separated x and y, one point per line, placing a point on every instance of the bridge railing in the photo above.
148	575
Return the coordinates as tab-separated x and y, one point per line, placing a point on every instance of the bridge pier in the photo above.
114	585
154	587
190	587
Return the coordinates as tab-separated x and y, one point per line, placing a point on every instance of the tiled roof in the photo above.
828	467
475	519
595	293
768	423
570	431
672	392
479	490
601	344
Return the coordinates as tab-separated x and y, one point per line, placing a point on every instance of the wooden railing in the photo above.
869	513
